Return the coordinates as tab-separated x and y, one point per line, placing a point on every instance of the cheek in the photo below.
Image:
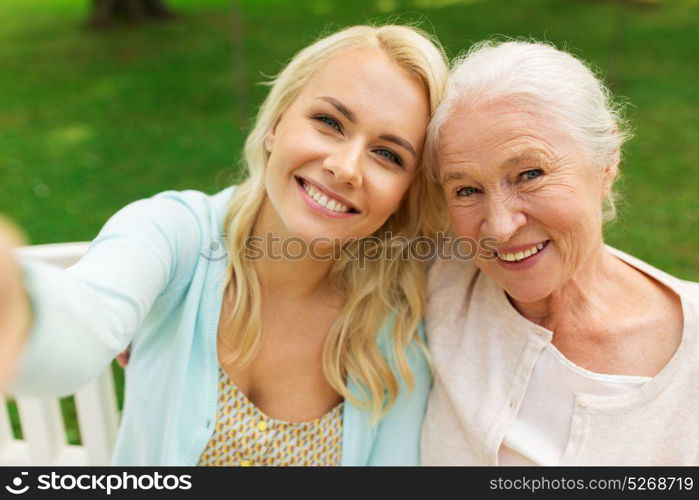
293	149
388	191
563	210
465	221
572	221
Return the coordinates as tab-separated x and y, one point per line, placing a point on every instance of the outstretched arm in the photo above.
83	316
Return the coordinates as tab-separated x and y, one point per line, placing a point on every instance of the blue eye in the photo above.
329	121
389	155
466	191
532	174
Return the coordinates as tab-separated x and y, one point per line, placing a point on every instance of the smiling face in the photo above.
344	153
516	176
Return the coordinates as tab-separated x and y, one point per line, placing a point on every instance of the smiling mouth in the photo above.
523	255
325	201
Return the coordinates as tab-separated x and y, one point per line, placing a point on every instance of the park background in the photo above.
94	118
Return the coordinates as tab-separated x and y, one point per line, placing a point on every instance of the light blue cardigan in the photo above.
154	277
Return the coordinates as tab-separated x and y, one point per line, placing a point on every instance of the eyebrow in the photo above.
453	175
352	118
340	107
528	155
401	142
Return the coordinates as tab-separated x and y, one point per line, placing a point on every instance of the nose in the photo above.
345	163
503	219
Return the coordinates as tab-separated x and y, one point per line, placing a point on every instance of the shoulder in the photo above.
174	227
449	283
690	295
446	274
692	288
207	209
397	438
414	352
185	216
687	290
385	341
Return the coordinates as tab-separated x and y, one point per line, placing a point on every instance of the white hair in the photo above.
538	76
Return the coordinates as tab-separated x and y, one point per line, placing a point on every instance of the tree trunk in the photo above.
108	12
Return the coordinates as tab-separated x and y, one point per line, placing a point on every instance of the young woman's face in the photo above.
345	152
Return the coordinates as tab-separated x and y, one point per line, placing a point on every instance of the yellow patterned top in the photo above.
244	436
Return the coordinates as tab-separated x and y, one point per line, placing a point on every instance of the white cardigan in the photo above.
484	352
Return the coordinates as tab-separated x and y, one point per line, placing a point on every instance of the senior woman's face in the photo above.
514	176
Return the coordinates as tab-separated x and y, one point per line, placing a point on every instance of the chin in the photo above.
309	231
527	291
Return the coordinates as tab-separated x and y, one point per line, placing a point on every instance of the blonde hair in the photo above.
390	287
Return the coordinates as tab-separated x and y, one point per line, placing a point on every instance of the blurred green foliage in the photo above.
90	121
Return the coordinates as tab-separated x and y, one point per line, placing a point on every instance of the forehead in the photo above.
498	133
372	85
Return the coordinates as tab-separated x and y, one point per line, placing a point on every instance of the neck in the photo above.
294	278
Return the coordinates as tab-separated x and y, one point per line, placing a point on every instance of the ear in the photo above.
269	137
269	141
610	173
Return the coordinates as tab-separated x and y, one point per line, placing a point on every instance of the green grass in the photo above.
90	121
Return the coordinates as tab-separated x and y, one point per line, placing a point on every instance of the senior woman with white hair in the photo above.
550	347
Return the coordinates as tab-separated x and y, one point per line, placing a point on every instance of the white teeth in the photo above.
324	201
521	255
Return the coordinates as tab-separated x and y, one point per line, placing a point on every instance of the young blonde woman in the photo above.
287	348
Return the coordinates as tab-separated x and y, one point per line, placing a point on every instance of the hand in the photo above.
15	311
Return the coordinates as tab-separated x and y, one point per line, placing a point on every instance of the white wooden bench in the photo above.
45	441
